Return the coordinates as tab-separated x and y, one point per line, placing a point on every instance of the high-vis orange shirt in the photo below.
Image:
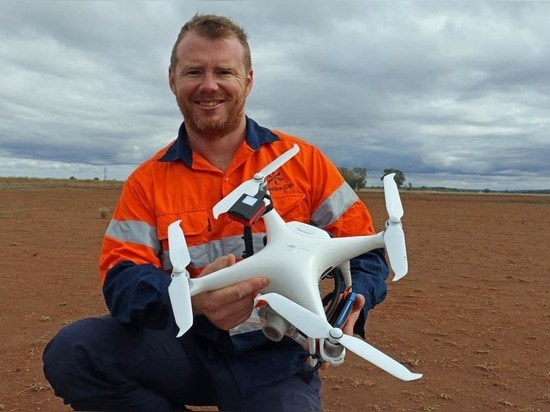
179	184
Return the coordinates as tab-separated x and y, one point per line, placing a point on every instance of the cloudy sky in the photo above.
454	94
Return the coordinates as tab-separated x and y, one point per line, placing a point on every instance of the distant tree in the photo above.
399	176
356	177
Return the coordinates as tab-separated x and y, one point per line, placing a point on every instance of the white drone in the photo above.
295	258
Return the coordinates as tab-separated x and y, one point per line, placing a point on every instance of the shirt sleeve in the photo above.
369	272
135	287
138	295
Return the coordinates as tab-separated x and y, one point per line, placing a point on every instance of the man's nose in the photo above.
209	82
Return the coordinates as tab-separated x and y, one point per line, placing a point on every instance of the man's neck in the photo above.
218	150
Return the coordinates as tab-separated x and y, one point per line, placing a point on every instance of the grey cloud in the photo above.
445	91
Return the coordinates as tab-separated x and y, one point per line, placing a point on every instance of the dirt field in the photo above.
472	315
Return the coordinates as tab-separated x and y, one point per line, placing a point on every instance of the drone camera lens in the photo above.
272	333
275	327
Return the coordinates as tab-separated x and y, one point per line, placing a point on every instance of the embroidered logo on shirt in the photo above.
275	181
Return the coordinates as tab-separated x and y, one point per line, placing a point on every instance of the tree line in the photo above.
357	177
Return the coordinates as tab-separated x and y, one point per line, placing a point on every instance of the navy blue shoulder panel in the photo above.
256	135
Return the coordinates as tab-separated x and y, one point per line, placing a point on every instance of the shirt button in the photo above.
226	178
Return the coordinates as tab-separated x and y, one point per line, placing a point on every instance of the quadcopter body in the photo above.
295	258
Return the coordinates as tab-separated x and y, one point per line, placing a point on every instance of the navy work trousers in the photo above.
101	365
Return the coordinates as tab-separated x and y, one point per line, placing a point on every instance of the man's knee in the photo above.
297	393
66	357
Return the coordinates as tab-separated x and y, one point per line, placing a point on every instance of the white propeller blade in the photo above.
394	237
393	201
281	160
378	358
251	187
179	254
315	326
178	290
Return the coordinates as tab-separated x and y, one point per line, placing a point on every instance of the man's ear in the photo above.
171	81
249	81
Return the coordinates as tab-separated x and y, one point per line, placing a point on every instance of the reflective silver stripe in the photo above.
134	231
334	206
202	255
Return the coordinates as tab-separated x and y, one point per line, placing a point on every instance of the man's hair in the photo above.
213	27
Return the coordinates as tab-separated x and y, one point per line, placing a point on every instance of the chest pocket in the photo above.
193	223
291	206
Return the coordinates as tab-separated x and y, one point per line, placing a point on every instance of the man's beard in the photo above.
213	127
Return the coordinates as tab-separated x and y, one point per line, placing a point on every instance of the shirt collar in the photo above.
255	136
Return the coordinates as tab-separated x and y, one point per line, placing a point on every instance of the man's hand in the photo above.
354	314
350	322
230	306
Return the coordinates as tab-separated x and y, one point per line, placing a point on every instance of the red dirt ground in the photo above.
472	314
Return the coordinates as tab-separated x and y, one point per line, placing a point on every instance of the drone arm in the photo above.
229	275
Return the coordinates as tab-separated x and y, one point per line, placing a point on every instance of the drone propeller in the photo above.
251	187
178	290
315	326
394	236
393	201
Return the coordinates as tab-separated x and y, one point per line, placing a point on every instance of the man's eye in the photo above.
192	73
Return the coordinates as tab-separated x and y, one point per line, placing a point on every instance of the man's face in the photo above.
211	84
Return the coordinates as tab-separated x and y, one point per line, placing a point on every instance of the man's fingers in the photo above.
241	290
354	314
228	306
359	302
219	263
250	286
232	305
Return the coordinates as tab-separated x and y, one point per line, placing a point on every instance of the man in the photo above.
131	359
